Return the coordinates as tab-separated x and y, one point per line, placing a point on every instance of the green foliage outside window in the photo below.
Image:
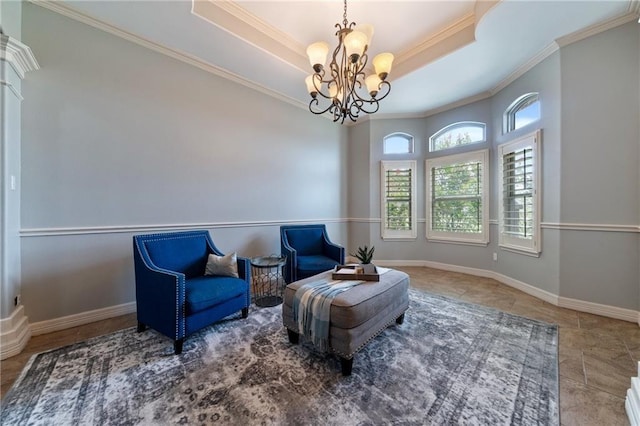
457	198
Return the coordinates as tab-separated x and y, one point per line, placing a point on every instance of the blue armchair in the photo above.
308	251
173	295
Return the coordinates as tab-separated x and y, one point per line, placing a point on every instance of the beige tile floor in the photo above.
597	355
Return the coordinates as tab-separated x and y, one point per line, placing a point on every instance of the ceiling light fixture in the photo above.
343	82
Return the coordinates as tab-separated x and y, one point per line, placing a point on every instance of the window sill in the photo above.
399	238
519	250
459	242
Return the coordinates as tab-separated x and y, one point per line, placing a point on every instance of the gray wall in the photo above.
544	78
11	18
590	107
117	140
117	136
600	180
359	183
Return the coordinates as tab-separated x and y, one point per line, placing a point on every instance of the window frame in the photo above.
391	234
481	238
509	116
532	246
410	142
455	125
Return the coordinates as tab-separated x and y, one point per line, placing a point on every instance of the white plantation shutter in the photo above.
520	194
518	189
398	194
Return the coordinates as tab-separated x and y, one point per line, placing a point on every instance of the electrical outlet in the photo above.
16	300
495	257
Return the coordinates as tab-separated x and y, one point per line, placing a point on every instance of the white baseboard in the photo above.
563	302
598	309
14	333
82	318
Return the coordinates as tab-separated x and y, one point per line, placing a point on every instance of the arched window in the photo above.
398	143
457	134
524	110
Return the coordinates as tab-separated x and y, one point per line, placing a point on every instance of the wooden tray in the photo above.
352	276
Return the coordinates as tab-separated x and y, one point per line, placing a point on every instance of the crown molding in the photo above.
462	102
443	42
240	23
631	15
69	12
424	114
524	68
465	22
17	54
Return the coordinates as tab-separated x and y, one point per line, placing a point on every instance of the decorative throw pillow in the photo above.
222	265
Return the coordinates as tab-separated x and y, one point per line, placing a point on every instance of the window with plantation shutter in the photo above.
520	190
457	198
398	199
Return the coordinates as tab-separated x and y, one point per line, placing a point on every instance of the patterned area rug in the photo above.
449	363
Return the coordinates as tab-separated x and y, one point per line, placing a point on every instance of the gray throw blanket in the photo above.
312	307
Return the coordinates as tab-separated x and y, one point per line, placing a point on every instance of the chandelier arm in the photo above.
318	77
368	106
318	111
354	111
319	89
388	90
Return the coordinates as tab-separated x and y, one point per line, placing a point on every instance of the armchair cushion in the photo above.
310	265
222	265
185	255
306	241
206	292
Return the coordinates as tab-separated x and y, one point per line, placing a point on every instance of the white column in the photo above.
632	404
15	60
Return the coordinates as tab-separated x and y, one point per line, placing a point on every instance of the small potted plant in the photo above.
365	255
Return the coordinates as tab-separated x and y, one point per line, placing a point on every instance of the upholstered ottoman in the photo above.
358	314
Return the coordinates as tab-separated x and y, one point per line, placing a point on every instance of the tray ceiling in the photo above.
446	51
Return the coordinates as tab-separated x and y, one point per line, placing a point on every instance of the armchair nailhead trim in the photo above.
180	310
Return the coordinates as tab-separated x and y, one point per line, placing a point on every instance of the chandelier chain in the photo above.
345	21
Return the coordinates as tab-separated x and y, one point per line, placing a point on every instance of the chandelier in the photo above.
342	86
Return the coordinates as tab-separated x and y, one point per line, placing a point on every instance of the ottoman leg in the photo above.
400	319
347	365
293	336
